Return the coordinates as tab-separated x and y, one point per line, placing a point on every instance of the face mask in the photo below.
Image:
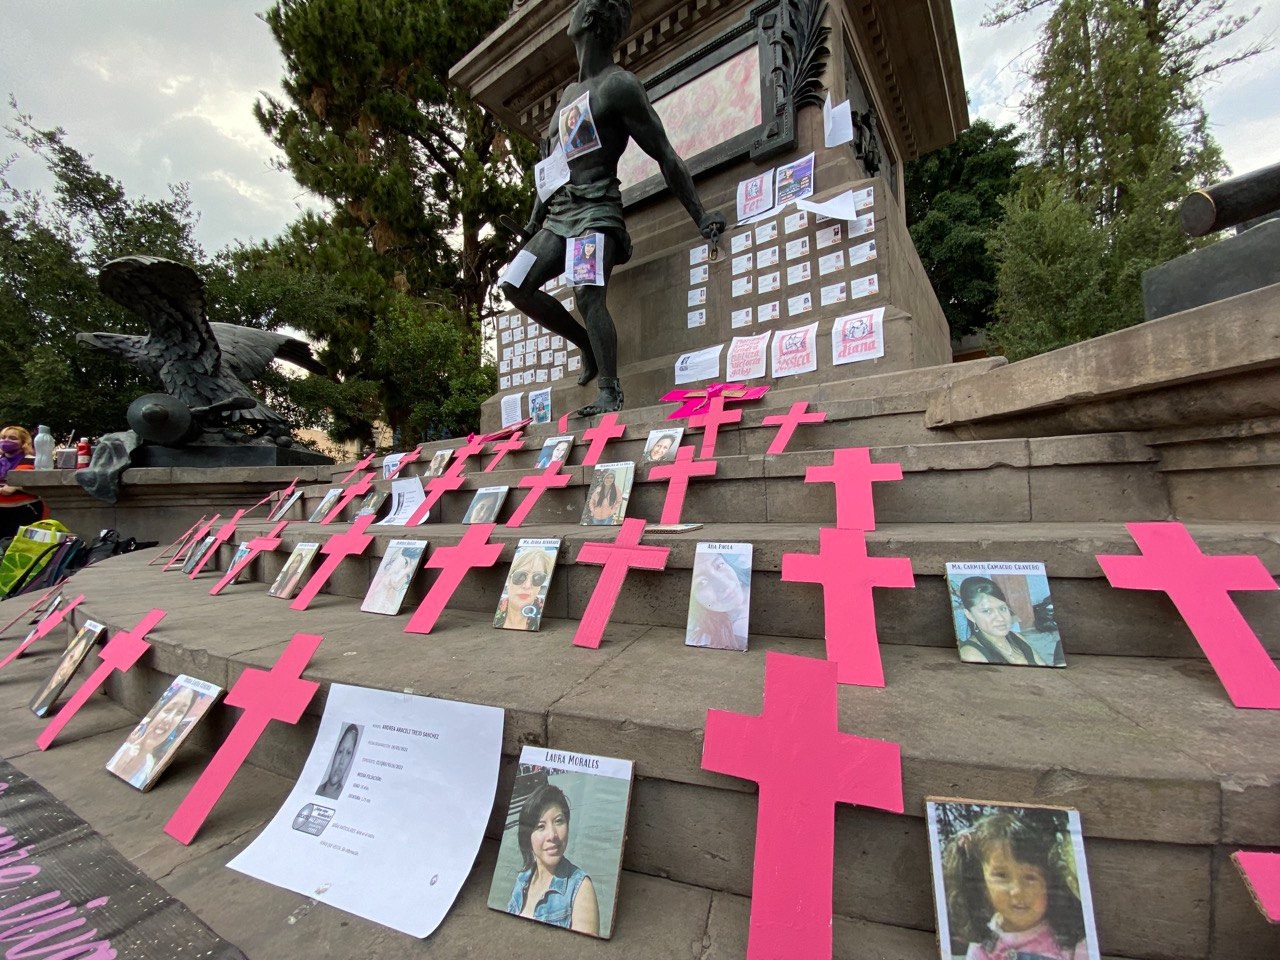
10	447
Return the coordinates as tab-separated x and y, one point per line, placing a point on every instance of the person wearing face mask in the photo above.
17	507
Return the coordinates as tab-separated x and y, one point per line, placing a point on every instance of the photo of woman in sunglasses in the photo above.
527	583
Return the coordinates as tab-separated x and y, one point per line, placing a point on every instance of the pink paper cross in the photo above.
500	450
179	543
32	605
407	459
1198	585
41	630
852	473
696	401
198	536
1262	874
435	488
256	546
225	533
677	475
617	558
537	484
715	417
787	423
336	549
503	432
473	550
845	572
357	489
362	465
804	765
607	429
277	495
264	695
122	651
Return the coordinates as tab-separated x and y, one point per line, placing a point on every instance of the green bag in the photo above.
29	551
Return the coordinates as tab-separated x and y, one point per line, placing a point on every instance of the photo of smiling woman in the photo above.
1003	614
151	745
720	597
525	592
344	754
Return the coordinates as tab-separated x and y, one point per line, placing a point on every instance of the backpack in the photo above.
28	553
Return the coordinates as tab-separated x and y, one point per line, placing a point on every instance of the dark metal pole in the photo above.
1232	202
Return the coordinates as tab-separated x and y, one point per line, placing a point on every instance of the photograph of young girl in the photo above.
330	498
395	573
554	450
561	852
485	505
1010	881
286	585
153	742
68	664
720	597
525	592
662	445
1003	614
607	496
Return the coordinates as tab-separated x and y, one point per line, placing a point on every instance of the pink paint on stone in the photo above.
617	558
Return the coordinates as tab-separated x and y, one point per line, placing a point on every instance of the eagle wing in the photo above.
246	351
129	348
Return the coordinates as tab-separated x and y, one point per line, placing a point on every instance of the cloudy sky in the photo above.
161	91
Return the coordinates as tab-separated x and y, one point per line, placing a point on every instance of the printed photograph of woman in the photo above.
525	592
290	579
395	573
196	555
554	450
153	742
607	496
662	445
720	597
439	462
1003	614
68	664
344	754
330	498
485	505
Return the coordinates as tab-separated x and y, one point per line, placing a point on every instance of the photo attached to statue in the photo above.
1003	613
578	133
720	596
608	494
152	744
561	852
1010	881
525	592
584	260
44	699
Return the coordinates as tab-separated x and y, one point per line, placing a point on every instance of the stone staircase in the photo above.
1137	732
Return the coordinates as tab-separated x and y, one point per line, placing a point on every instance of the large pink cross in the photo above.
804	765
617	558
256	546
845	572
607	429
122	651
852	473
178	544
362	465
500	450
1261	871
537	484
40	630
696	401
715	417
196	538
434	489
473	550
787	423
473	446
1198	585
336	549
405	460
357	489
225	533
677	475
263	695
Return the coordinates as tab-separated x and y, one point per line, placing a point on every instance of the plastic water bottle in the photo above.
44	444
82	453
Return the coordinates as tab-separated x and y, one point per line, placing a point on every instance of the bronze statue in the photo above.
598	113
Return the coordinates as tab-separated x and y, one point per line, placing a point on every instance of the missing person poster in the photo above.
387	816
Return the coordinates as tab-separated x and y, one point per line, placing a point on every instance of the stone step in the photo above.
1168	776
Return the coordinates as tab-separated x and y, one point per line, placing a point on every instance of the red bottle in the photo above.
82	453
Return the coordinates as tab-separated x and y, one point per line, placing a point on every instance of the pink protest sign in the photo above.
336	549
500	450
41	630
122	651
537	484
357	489
715	417
677	475
256	546
804	765
607	429
201	532
177	544
617	558
1198	585
852	473
225	533
362	465
473	550
845	572
435	488
264	695
787	423
1262	875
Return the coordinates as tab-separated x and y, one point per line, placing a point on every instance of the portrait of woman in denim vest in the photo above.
551	888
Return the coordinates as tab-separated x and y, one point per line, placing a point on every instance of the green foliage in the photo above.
953	204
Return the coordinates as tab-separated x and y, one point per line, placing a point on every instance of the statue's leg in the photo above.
544	309
604	337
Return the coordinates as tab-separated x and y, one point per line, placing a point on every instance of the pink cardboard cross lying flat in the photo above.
362	465
336	549
500	450
715	417
804	765
787	423
225	533
537	484
42	629
695	401
845	572
357	489
617	558
122	651
256	546
852	474
1261	871
196	537
1198	585
677	475
264	695
435	488
598	436
473	550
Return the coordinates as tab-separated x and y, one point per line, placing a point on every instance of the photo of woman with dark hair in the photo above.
1003	614
720	596
550	888
607	496
344	755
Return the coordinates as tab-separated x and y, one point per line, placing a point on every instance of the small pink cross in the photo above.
178	544
617	558
357	489
225	533
500	450
276	495
537	484
852	474
787	423
435	488
40	630
196	538
711	421
256	546
362	465
677	475
336	549
473	550
1261	871
607	429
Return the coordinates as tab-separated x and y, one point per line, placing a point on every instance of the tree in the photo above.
953	204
